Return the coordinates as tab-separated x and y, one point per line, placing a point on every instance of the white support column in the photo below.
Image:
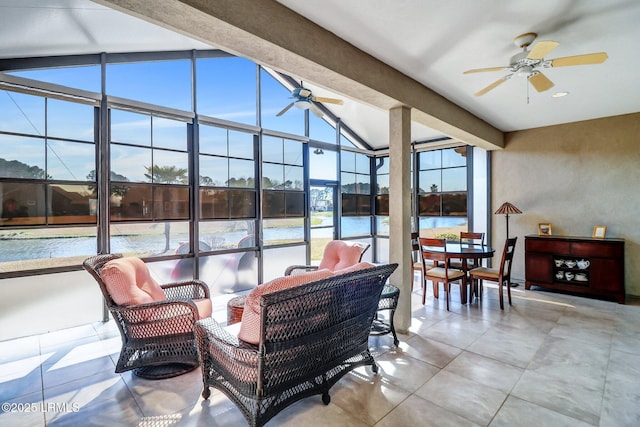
400	211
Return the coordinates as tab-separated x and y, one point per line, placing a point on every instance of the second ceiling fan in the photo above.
304	99
529	63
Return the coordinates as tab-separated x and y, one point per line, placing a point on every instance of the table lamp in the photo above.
506	209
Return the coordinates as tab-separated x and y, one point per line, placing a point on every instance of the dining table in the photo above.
465	252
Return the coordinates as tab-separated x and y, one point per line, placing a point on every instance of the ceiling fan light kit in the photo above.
305	100
528	63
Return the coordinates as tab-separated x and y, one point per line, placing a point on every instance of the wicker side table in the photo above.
388	301
235	306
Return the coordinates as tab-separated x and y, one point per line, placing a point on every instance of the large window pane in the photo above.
429	204
241	144
454	204
320	130
70	120
22	113
130	128
148	239
29	249
229	273
293	177
214	171
275	97
292	152
169	133
355	226
169	167
454	157
22	203
226	88
71	204
272	149
363	164
430	181
22	157
70	160
171	203
214	204
213	140
430	159
281	231
219	235
272	176
166	83
241	173
323	164
454	179
131	202
276	260
131	162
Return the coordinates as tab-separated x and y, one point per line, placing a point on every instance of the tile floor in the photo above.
548	360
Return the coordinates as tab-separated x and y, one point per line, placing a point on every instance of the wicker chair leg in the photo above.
206	392
326	399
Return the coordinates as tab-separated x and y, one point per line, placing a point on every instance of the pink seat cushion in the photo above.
339	254
129	283
250	327
204	306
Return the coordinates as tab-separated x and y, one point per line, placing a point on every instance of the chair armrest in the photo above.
186	289
158	318
236	360
293	268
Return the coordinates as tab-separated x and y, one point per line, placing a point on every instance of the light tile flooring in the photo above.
548	360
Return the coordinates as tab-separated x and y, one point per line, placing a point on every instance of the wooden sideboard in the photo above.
579	265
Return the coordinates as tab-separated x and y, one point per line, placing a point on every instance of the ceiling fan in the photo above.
304	99
529	63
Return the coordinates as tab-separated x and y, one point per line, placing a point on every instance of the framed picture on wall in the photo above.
599	231
544	229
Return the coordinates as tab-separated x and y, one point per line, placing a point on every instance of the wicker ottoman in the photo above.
235	306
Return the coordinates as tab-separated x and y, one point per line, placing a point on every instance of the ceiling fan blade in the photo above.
590	58
328	100
540	82
285	109
315	110
482	70
541	49
491	86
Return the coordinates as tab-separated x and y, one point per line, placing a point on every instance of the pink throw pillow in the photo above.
250	327
129	283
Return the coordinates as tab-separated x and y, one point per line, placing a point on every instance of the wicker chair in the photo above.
311	335
157	337
337	254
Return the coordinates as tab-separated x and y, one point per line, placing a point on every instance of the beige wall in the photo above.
574	176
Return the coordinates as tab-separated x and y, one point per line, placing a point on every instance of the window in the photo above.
356	193
282	178
47	181
442	192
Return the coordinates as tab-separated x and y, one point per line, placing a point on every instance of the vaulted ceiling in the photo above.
429	41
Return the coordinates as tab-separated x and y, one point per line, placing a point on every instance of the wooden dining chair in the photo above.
469	238
416	257
436	274
502	275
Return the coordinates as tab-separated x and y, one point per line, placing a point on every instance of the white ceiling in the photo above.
429	40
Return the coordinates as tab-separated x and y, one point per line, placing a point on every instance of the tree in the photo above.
166	174
16	169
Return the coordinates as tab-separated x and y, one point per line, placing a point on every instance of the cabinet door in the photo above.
538	267
606	275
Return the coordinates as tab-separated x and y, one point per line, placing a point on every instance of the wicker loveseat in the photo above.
310	336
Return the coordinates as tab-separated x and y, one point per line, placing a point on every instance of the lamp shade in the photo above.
508	208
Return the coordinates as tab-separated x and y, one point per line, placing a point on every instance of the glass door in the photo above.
322	216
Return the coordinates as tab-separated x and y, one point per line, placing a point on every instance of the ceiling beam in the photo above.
275	36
